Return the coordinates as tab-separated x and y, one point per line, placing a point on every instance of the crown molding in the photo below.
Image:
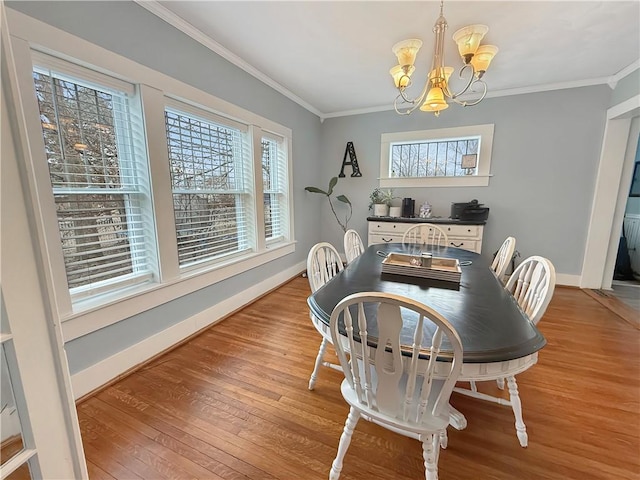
628	70
174	20
185	27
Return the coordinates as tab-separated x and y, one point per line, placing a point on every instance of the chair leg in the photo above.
514	397
430	453
345	440
444	440
316	368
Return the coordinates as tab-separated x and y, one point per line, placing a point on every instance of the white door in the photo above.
38	420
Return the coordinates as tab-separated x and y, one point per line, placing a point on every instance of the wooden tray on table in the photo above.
447	269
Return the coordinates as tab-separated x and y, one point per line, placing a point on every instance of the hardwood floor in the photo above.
233	403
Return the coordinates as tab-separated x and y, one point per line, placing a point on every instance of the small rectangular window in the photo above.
459	156
98	170
211	185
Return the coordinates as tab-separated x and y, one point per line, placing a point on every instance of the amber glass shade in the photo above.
400	79
469	38
483	57
438	75
406	51
435	101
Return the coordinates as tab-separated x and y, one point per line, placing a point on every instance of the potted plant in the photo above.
380	201
341	198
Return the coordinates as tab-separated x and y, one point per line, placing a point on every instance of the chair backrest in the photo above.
323	263
383	379
353	246
532	284
426	234
503	257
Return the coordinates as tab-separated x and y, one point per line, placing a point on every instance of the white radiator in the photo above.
632	232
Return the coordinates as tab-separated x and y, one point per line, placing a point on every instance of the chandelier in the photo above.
437	90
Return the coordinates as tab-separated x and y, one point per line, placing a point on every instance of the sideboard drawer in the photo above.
466	244
462	230
384	238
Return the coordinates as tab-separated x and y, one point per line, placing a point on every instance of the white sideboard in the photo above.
460	234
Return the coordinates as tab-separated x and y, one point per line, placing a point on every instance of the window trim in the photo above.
481	179
29	35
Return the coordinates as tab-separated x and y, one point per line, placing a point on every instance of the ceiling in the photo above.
333	58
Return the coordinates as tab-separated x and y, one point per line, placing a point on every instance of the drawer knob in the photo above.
386	240
461	244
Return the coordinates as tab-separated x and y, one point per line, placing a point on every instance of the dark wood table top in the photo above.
487	317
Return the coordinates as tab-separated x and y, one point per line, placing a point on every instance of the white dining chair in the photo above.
503	258
353	246
532	285
426	234
397	391
323	263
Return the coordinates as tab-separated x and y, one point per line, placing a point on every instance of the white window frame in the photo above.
78	319
143	246
282	192
483	171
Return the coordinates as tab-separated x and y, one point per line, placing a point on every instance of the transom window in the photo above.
459	156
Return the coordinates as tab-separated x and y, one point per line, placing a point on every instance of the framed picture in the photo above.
470	160
635	181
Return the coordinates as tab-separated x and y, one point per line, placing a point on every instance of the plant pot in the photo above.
380	210
395	212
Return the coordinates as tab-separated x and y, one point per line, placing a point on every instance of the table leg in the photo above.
457	419
514	397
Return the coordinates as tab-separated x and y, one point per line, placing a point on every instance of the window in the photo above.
274	184
211	182
98	170
458	156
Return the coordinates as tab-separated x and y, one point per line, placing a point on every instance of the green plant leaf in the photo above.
343	199
315	190
332	183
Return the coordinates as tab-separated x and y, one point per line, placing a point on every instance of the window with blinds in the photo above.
211	180
98	170
275	187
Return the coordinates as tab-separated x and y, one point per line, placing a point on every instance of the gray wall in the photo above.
546	148
131	31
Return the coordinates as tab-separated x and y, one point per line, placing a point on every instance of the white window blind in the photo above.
211	180
275	185
96	155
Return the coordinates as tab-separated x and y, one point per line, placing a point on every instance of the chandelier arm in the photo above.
414	104
418	100
472	77
482	84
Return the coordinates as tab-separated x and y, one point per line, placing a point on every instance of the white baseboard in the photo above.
106	370
568	280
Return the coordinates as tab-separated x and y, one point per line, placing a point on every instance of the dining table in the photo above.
498	339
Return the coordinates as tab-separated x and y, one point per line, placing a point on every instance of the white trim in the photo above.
628	70
568	280
491	94
200	37
185	27
147	297
605	199
67	46
102	372
30	34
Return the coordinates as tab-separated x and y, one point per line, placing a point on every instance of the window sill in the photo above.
467	181
98	312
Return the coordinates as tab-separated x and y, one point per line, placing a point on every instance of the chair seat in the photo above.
430	423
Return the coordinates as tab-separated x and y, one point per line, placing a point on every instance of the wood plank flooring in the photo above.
233	403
